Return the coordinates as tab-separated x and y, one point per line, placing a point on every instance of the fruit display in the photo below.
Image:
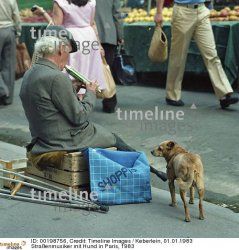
140	15
226	14
28	17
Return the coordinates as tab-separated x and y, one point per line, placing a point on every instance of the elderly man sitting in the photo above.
58	120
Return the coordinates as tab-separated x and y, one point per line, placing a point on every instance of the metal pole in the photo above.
78	199
149	6
1	174
52	203
41	188
40	182
27	184
35	197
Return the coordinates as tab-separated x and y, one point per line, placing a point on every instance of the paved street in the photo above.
153	220
205	129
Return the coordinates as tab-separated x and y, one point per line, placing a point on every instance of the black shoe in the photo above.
3	100
230	99
109	104
109	110
178	103
163	176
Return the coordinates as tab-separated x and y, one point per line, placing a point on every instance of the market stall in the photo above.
139	28
138	37
32	24
28	37
23	4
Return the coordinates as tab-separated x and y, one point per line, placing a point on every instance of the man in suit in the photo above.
58	120
9	28
191	20
110	31
110	28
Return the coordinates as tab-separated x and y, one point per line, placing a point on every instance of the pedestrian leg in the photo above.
206	43
9	64
182	32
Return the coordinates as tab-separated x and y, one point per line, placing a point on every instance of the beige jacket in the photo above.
9	15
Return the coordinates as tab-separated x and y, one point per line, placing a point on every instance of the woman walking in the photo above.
78	16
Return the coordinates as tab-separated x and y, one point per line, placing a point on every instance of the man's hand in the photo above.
77	85
92	86
39	10
158	18
121	42
17	40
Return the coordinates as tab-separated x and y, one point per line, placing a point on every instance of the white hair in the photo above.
49	45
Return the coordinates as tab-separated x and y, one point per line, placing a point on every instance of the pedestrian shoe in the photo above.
3	100
228	100
109	110
178	103
109	104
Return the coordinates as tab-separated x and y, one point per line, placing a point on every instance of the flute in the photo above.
78	76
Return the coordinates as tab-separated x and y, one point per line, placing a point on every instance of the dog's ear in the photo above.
171	144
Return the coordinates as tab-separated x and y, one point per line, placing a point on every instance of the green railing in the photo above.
46	4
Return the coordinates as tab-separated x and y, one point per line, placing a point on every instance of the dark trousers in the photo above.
121	145
110	51
7	63
109	104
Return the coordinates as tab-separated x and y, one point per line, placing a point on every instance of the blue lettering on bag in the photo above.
115	178
107	182
118	174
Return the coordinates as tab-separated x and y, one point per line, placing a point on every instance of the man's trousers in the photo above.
188	23
7	63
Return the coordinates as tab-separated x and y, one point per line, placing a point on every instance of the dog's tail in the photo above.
185	185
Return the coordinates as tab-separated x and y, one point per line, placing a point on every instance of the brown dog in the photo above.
187	169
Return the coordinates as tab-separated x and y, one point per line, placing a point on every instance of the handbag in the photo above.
119	177
123	69
23	61
110	89
158	51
